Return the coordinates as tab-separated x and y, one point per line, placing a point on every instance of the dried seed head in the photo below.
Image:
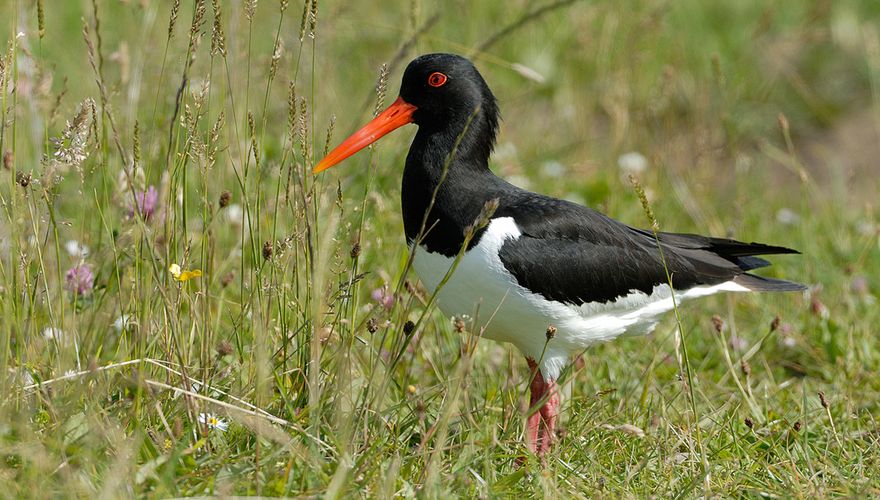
252	129
749	423
774	324
41	18
823	400
218	38
276	56
459	325
224	348
175	8
227	279
23	179
408	328
291	112
783	122
72	147
137	144
305	142
718	323
745	367
372	325
250	7
381	88
329	134
643	198
313	18
551	332
8	159
355	251
267	250
797	426
225	198
305	16
198	20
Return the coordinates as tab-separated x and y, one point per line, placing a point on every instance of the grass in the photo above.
757	120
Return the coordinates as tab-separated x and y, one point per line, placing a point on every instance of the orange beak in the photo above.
397	115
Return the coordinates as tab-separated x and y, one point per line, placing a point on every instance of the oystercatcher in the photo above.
554	276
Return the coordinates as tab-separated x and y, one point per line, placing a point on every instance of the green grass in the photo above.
746	111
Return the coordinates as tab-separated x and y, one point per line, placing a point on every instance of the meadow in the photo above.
186	310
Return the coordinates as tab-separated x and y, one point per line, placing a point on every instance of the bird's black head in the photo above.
440	93
446	88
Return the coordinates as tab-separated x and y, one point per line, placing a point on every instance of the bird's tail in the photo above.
761	284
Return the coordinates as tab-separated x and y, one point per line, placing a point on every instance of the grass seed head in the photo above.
250	7
218	37
718	323
551	332
224	348
172	21
225	198
23	179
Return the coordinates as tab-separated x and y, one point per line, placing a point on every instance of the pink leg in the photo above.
541	426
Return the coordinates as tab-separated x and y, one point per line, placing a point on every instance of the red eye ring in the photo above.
437	79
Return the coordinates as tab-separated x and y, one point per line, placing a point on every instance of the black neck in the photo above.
461	149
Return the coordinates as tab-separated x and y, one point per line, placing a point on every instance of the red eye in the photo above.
437	79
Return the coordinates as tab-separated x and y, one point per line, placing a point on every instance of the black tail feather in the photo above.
762	284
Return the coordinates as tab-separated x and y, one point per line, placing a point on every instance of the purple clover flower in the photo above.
79	279
145	203
384	297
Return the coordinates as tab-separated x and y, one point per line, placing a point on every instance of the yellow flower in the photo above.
181	275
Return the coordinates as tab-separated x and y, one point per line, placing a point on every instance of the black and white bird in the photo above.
539	262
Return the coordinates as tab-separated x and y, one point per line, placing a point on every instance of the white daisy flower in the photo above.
213	421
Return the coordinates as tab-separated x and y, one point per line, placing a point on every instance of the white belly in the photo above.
482	288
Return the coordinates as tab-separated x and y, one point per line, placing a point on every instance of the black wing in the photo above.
572	254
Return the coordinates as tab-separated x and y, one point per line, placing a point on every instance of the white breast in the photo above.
482	288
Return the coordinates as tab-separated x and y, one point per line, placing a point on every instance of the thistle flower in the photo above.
145	203
79	279
213	421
